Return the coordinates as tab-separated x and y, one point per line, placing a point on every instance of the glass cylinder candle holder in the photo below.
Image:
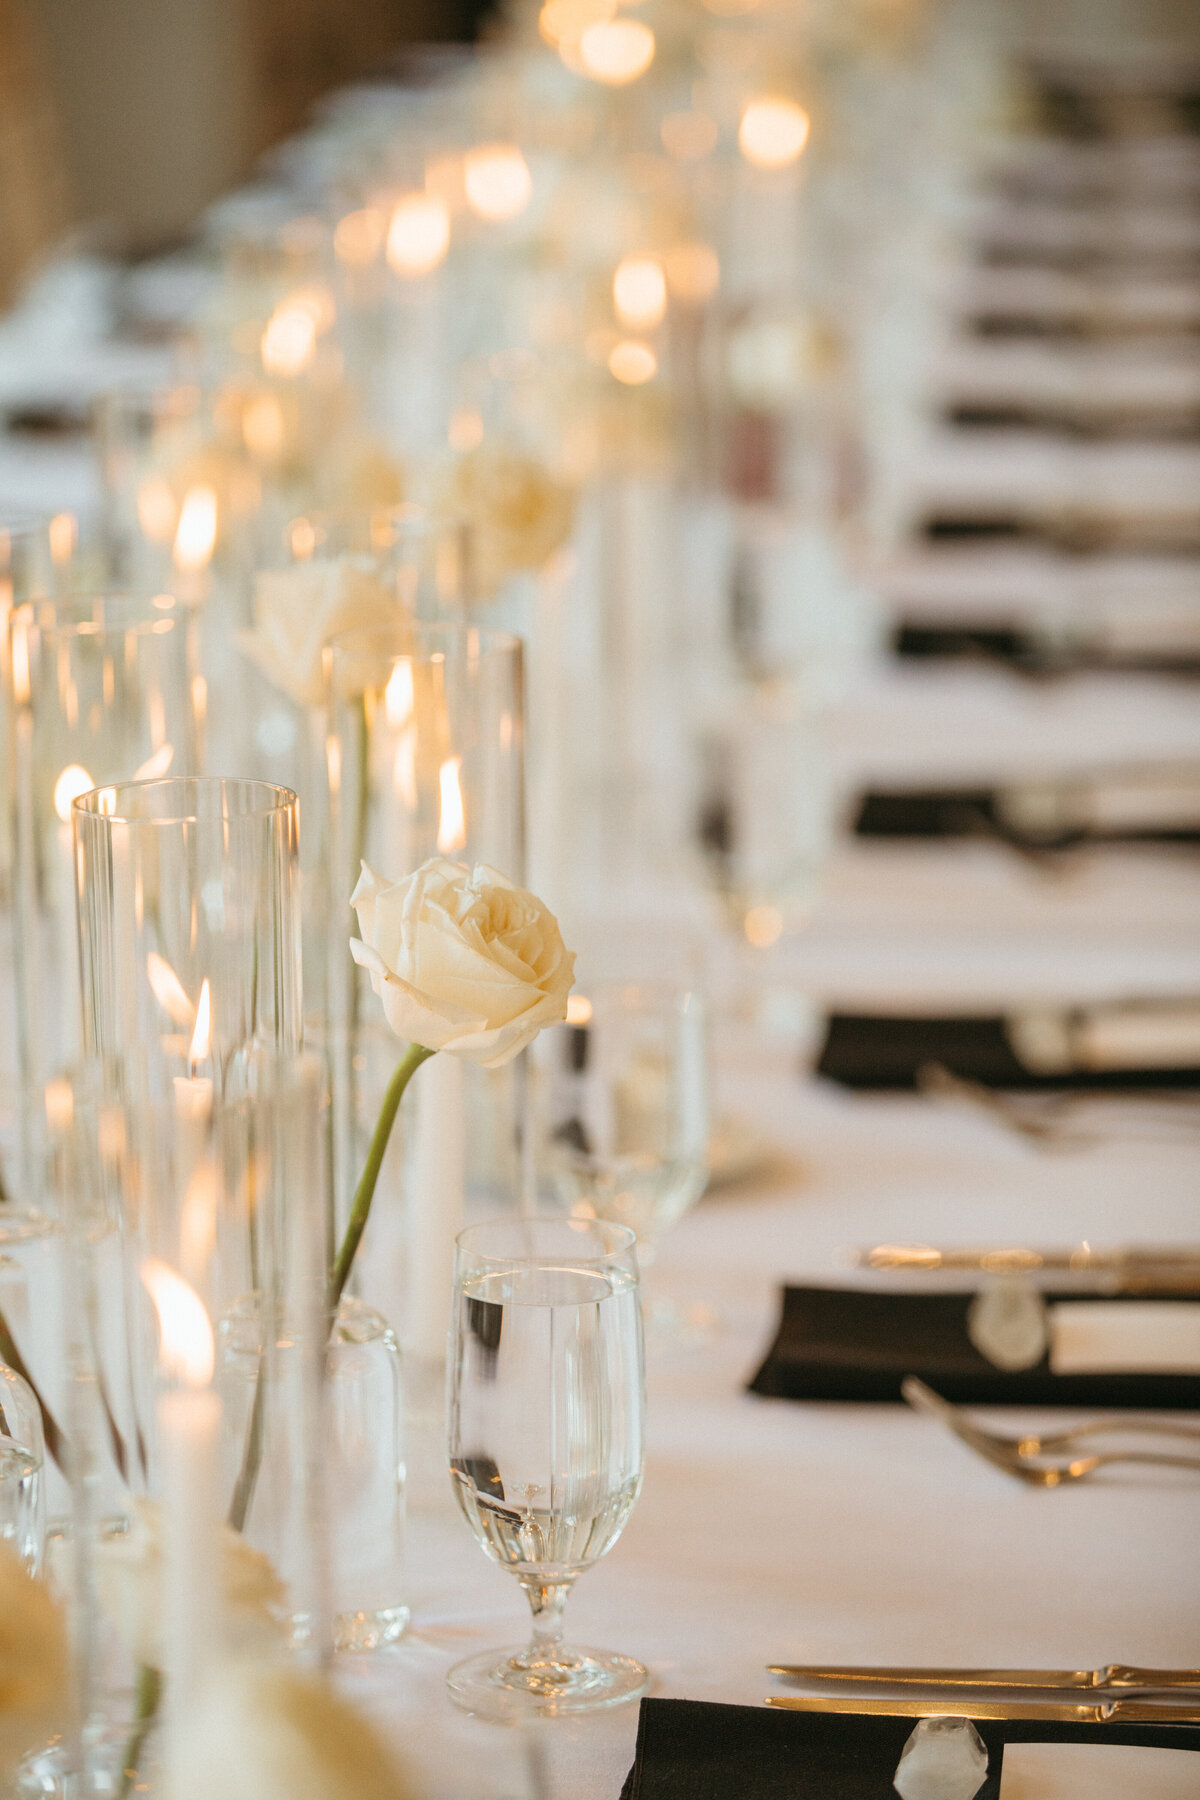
189	928
426	760
102	689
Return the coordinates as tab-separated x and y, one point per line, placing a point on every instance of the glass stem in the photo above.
547	1601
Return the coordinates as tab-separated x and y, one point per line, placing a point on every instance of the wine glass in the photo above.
627	1106
545	1420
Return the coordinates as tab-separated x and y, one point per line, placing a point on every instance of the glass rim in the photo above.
89	806
374	640
621	1240
73	615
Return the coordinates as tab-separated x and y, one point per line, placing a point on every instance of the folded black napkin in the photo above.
1026	654
859	1344
865	1050
980	812
695	1750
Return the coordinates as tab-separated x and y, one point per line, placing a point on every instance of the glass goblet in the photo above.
545	1424
627	1098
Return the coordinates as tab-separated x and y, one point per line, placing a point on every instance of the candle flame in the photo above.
201	1044
398	694
497	180
157	765
59	1101
186	1349
579	1009
169	991
616	51
63	531
419	234
20	657
773	133
289	342
640	292
73	781
196	537
263	430
632	362
452	828
156	509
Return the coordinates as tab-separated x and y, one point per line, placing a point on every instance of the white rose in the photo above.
518	515
298	610
462	960
129	1576
267	1731
34	1672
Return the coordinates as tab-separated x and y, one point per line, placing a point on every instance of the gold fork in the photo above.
1012	1455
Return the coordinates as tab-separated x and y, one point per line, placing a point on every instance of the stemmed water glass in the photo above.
545	1423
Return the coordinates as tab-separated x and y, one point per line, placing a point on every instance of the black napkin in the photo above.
975	812
1026	654
695	1750
859	1344
865	1050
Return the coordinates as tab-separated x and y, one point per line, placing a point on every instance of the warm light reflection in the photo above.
198	1217
302	538
73	782
358	237
156	766
632	362
640	292
579	1009
497	181
156	509
616	51
196	537
452	827
563	22
398	694
763	925
63	531
263	427
201	1044
693	272
289	342
59	1101
773	132
169	991
186	1349
419	234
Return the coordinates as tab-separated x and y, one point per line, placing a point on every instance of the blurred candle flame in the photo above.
452	828
196	538
579	1009
156	766
156	509
201	1044
398	694
640	292
616	51
73	781
63	531
632	362
418	235
263	427
497	181
289	341
186	1349
773	133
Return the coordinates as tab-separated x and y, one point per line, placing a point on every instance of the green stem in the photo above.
364	1193
149	1694
56	1443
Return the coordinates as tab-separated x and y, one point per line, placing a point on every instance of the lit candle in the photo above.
194	1092
73	781
435	1209
189	1426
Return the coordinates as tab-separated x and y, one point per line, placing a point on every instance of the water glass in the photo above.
545	1427
22	1462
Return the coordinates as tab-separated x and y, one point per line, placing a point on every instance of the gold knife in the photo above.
1104	1712
1115	1678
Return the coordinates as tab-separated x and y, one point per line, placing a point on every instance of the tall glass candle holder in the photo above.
426	759
189	928
102	689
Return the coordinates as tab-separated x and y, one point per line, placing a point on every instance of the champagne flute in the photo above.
545	1420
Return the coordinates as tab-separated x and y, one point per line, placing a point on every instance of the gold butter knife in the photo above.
1112	1678
1103	1712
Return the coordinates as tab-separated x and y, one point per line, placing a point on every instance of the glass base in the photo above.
353	1631
530	1681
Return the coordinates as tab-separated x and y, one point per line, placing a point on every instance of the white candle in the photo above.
189	1428
73	781
435	1208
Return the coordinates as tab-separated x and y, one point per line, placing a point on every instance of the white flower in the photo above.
462	960
517	514
129	1575
298	610
266	1731
33	1661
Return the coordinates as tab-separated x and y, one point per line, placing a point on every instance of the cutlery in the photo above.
1104	1712
1111	1679
1078	1259
1049	1120
1030	1443
1006	1455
